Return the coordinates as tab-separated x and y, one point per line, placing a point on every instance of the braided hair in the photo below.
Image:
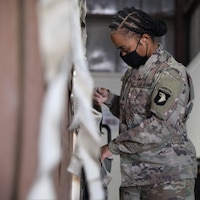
138	22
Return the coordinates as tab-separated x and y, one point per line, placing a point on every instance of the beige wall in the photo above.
194	41
194	30
193	123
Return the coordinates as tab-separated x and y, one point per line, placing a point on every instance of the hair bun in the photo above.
160	28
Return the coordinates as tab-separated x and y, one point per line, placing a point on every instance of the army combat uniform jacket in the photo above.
153	107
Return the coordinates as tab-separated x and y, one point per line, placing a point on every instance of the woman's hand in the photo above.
105	152
100	96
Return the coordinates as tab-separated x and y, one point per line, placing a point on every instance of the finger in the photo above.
97	94
97	101
98	90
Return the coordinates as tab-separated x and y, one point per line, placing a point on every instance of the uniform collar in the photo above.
151	62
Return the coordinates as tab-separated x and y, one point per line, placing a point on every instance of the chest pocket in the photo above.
135	96
138	99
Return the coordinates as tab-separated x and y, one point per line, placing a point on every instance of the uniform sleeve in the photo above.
167	104
167	95
113	103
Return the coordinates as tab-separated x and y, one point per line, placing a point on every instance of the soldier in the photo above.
158	161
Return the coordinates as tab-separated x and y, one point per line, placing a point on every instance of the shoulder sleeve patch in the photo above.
162	96
165	95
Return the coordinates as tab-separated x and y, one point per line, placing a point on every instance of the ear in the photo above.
144	39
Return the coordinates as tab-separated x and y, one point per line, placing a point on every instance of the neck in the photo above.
153	48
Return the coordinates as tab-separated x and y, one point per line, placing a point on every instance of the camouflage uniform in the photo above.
153	107
174	190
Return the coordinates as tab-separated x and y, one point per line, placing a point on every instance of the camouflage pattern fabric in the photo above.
176	190
152	108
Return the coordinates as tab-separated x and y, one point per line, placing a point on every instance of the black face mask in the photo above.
133	59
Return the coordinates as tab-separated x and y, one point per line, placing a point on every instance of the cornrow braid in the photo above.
138	22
